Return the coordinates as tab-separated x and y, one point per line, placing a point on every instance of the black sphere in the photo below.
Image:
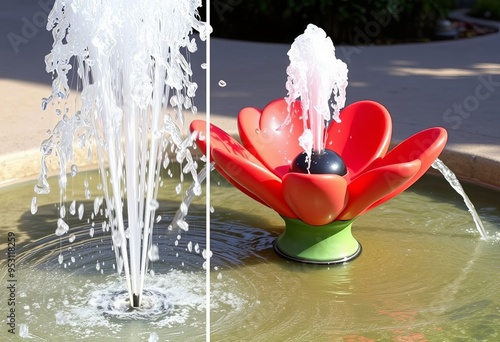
324	162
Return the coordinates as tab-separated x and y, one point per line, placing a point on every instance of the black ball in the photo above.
323	162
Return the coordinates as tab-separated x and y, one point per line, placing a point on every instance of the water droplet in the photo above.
34	205
158	218
219	276
183	225
62	211
190	246
45	101
97	204
222	83
178	188
212	209
91	232
154	253
60	258
204	66
257	131
80	211
98	266
74	170
72	207
197	248
62	227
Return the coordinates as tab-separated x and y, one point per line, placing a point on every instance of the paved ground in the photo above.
454	84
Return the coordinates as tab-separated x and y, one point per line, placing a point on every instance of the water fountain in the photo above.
319	180
122	79
135	84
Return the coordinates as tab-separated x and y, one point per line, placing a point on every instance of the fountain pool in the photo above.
424	274
69	285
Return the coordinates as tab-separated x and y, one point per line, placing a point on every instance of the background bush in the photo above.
489	9
345	21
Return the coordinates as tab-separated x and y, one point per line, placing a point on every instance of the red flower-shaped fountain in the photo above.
319	209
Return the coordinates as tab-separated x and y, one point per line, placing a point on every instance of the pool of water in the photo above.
424	273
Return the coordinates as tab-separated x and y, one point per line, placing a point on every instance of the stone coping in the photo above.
25	165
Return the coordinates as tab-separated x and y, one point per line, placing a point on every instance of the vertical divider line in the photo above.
207	166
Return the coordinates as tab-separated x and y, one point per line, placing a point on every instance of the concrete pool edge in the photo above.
469	163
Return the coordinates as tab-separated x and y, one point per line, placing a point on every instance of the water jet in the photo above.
136	81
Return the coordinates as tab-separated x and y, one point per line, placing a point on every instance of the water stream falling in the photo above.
129	58
455	184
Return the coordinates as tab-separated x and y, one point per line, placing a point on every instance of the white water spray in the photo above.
455	184
314	74
135	83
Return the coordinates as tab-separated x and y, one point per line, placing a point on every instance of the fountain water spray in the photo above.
455	184
314	74
135	83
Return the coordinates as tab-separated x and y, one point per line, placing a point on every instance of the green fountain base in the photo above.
329	244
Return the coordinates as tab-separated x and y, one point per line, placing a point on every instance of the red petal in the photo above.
363	135
316	199
373	185
261	133
254	178
219	139
425	146
237	186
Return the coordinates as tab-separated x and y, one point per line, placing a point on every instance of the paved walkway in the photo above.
454	84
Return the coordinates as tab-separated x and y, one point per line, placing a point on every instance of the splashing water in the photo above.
135	83
314	74
455	184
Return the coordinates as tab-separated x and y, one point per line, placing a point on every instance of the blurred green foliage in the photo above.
489	9
345	21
